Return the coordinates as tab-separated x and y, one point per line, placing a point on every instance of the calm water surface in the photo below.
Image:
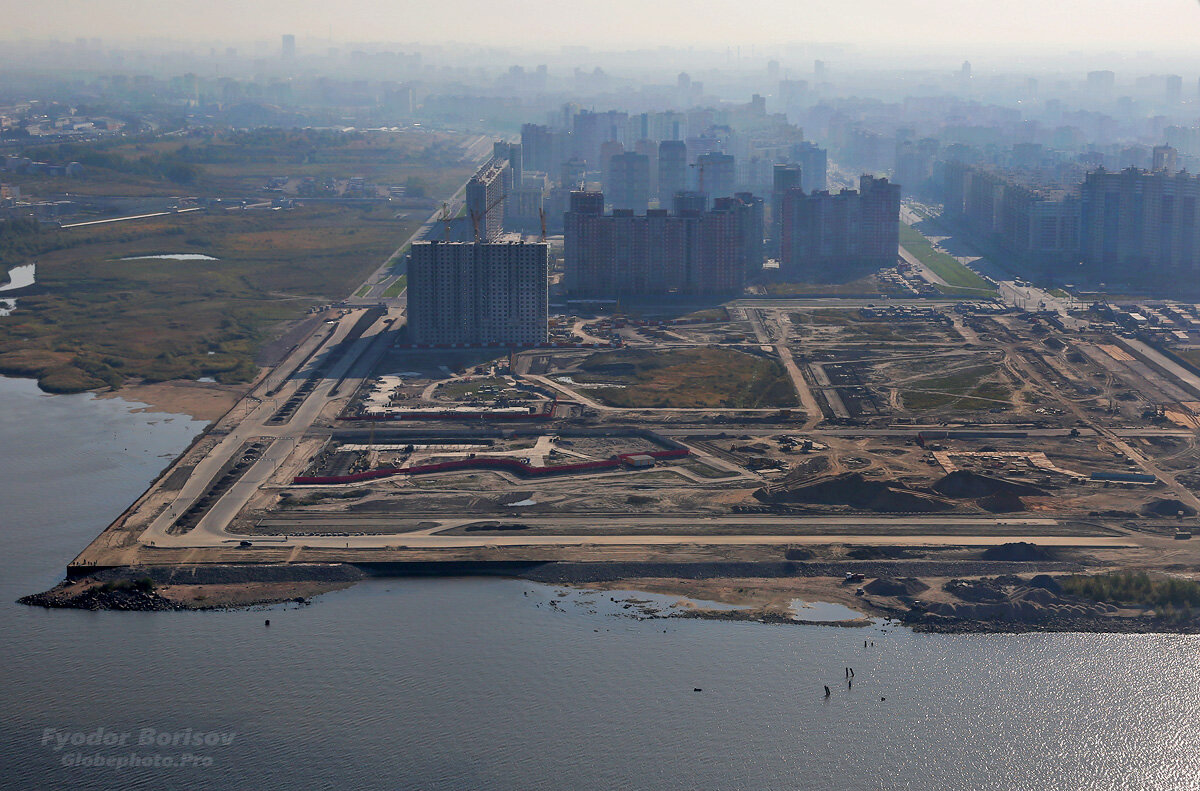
482	684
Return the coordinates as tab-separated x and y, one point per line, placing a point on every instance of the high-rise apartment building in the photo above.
1141	227
672	170
749	216
628	182
784	179
1165	158
288	48
537	143
850	233
478	293
716	174
512	152
814	165
485	200
660	253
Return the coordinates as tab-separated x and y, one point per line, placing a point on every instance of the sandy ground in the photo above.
200	400
764	596
246	593
214	596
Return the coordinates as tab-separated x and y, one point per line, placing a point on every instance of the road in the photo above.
256	426
131	217
250	419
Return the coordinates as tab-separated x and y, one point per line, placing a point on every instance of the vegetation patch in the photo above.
857	328
710	314
963	389
1171	597
947	267
866	285
94	320
688	378
396	288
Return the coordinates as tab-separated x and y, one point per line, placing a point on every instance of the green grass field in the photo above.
688	378
965	390
944	266
396	288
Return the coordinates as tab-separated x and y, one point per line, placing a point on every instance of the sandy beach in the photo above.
200	400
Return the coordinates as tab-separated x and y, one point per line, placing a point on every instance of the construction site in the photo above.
716	441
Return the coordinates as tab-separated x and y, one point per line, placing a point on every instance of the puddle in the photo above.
20	277
172	257
625	603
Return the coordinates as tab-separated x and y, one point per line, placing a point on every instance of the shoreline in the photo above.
765	600
207	401
202	401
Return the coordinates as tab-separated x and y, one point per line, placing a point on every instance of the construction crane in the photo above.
475	218
699	166
445	219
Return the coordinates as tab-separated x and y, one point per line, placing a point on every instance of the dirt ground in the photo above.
200	400
246	593
761	594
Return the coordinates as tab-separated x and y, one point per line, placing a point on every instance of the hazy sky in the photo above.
540	24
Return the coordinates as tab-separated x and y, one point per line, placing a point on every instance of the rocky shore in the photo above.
158	589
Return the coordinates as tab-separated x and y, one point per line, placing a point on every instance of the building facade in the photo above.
485	199
1141	227
672	170
478	293
628	181
832	236
686	252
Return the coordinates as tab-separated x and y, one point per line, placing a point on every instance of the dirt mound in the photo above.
967	484
481	527
1167	508
1045	581
854	490
1019	550
796	553
889	586
1001	503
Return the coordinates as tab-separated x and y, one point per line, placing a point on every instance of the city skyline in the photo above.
930	25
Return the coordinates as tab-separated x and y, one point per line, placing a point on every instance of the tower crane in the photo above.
475	218
445	220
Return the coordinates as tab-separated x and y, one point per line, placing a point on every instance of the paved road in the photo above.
410	541
126	219
283	438
842	303
926	272
1186	377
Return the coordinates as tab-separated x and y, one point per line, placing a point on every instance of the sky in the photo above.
1117	25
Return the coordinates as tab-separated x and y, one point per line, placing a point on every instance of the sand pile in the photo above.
889	586
1167	508
854	490
1019	551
